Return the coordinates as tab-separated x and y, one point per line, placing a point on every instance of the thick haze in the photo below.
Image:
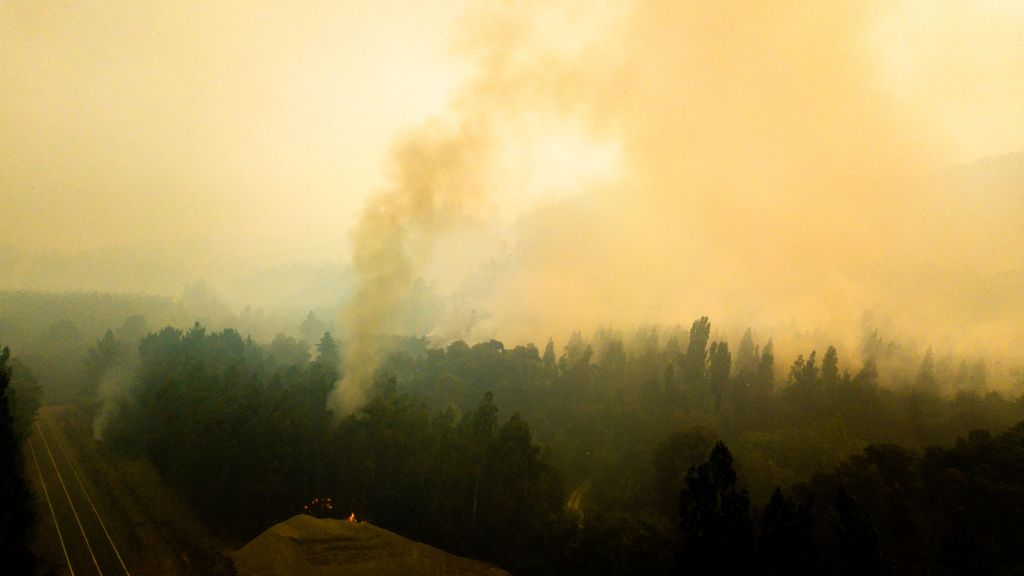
554	165
183	140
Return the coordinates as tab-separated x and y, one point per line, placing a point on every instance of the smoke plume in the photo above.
436	182
766	174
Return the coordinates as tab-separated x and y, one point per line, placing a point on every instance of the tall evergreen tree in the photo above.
765	380
15	499
803	375
925	380
714	519
327	351
786	543
861	552
697	352
867	376
830	368
674	457
746	355
549	359
312	326
672	350
719	366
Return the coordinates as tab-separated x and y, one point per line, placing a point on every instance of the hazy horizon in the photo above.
542	167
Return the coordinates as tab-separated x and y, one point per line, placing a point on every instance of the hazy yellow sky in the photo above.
628	162
259	125
263	126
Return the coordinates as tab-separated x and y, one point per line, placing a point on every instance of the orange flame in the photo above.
352	517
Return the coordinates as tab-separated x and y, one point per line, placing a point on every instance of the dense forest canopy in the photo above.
571	286
455	438
581	449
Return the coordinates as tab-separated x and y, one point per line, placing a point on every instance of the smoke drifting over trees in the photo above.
691	280
785	167
763	172
437	183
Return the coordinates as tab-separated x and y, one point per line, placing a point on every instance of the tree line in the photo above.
886	510
18	404
250	441
244	431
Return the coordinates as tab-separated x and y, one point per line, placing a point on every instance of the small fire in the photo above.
352	517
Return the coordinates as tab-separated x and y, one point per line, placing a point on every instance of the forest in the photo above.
558	286
666	451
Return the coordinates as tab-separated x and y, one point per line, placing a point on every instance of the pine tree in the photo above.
15	499
549	355
719	366
786	543
746	356
830	368
327	351
765	380
858	537
925	381
696	352
714	519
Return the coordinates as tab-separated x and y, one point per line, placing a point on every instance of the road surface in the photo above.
71	504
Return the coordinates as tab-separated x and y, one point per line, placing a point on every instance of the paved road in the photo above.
81	527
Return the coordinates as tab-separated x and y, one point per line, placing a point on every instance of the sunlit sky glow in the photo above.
266	125
181	141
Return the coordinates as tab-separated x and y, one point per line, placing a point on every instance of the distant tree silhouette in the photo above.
719	366
972	377
673	457
858	537
830	368
102	356
327	351
714	519
765	380
868	374
549	355
803	374
15	499
697	352
672	350
312	327
746	356
925	380
287	351
786	543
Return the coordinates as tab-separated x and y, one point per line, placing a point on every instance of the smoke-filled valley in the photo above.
565	287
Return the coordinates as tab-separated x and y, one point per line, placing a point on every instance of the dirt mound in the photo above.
304	545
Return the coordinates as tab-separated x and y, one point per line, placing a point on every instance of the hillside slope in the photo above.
304	545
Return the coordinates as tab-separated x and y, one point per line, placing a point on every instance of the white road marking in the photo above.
68	495
74	470
52	513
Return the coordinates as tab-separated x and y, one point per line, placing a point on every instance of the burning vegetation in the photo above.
594	177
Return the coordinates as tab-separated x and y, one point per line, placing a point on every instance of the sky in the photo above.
250	129
617	163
